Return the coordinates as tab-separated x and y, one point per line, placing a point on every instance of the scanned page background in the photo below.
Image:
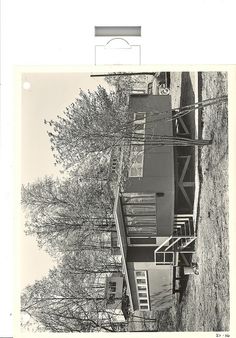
53	33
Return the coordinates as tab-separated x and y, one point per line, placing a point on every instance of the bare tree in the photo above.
62	302
97	122
65	213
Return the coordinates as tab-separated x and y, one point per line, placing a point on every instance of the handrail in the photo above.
173	243
158	248
167	240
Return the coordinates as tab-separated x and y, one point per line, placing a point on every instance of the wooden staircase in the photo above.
183	230
177	249
179	243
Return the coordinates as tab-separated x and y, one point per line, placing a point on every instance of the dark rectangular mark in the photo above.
117	30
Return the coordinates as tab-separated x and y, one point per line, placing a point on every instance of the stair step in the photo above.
184	228
187	242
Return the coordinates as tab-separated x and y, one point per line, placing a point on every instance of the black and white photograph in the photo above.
124	201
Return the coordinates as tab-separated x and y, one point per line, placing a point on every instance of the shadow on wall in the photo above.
187	97
163	298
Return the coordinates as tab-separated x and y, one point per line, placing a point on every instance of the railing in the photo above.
183	235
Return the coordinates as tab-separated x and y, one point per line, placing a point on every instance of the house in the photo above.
115	246
143	85
160	84
153	209
114	295
156	84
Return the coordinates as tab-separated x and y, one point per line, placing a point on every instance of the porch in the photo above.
177	250
185	157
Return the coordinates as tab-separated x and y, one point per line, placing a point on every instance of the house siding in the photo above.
158	167
148	103
158	177
159	282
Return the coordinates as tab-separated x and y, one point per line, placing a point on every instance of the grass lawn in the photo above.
205	305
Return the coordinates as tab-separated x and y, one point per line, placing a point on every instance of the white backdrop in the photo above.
61	32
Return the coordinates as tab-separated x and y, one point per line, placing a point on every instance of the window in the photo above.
142	240
144	307
136	155
140	273
142	289
142	295
139	211
111	292
137	145
141	281
164	257
112	287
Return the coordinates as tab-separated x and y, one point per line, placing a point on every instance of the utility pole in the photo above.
123	74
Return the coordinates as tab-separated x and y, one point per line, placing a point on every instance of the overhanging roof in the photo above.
118	216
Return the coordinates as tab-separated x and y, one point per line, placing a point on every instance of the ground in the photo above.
205	303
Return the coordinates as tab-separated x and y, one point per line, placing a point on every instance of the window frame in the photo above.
138	166
164	262
112	288
143	294
140	215
129	241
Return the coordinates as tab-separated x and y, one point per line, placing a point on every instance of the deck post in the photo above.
181	183
185	259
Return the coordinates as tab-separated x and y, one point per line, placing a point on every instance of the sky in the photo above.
44	96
